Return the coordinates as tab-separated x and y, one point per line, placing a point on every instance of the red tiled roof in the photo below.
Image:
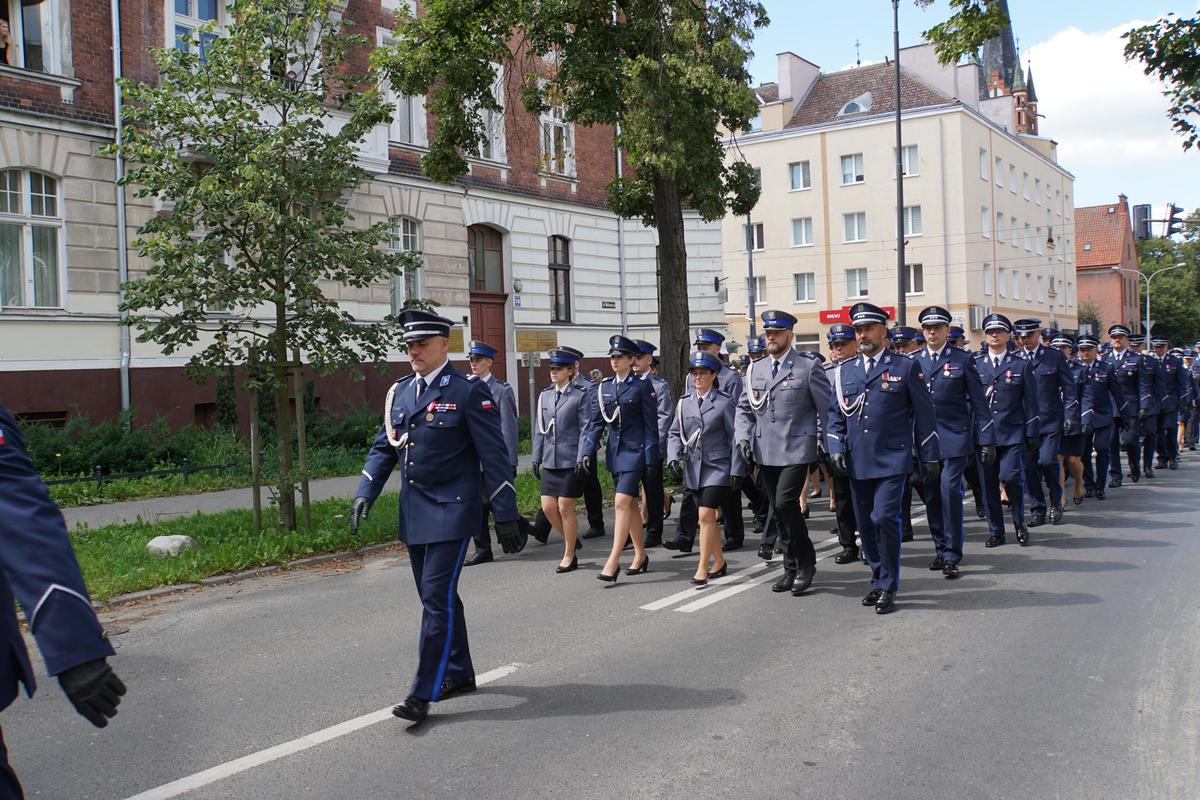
831	92
1100	236
769	92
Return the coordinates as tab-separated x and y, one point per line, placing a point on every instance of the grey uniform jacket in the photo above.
702	439
783	418
565	424
730	382
666	408
506	402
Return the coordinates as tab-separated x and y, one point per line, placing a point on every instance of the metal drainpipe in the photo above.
122	244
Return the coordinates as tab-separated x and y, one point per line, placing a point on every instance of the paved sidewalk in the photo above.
153	509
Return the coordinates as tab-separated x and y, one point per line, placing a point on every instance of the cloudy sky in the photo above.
1108	118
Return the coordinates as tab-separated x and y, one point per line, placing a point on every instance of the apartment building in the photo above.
522	251
1107	263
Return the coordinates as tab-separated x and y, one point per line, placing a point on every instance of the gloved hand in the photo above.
537	470
746	452
1088	430
1143	413
987	454
512	539
839	464
1070	427
1031	445
735	482
822	452
94	689
676	470
358	511
583	467
1122	424
931	471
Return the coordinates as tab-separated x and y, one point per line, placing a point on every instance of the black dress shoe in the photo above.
936	564
950	571
1173	464
594	533
453	686
872	597
644	568
1134	476
907	536
886	603
980	511
480	557
1101	494
1114	483
682	545
1160	464
766	552
414	709
608	578
574	565
848	556
1148	472
804	579
1037	519
1089	492
1078	500
995	540
1056	515
729	546
784	584
1022	534
653	541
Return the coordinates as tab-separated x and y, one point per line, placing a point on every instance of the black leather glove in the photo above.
1122	424
1088	430
1143	413
1070	427
931	471
735	482
1031	445
746	452
839	464
94	689
358	511
822	452
537	470
512	539
987	454
583	468
676	470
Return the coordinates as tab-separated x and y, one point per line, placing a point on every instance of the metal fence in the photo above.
186	470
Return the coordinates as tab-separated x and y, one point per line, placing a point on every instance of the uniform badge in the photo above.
2	440
445	380
486	404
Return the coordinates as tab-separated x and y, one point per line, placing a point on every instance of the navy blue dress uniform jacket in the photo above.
887	414
633	430
1011	397
1178	383
39	570
456	423
1057	395
1101	394
565	422
1159	382
958	402
1135	377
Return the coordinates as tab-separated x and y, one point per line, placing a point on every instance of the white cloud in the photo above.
1101	109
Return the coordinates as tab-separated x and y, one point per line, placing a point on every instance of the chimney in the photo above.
796	76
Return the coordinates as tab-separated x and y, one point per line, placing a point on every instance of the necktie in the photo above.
557	396
996	362
870	365
774	370
420	387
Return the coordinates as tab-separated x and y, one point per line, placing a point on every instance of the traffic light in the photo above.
1174	223
1141	222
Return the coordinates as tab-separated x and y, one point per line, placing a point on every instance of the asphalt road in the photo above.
1063	670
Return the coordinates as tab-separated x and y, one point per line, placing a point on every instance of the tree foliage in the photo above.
971	24
1174	295
1168	51
249	141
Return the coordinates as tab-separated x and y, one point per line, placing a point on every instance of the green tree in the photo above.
249	140
1167	49
1089	314
670	73
971	24
1174	295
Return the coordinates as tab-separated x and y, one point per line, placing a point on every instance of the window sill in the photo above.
915	294
854	241
801	189
40	77
545	178
854	183
802	246
804	302
409	146
41	311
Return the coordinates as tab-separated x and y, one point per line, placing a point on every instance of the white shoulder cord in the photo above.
766	398
541	430
387	420
848	409
688	441
600	400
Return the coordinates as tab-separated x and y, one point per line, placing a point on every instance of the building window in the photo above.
1067	206
806	287
1003	288
984	164
856	282
1041	289
558	140
987	279
801	175
1015	231
1037	191
855	226
1058	203
914	279
32	34
760	289
802	232
405	237
754	234
485	251
185	18
756	123
912	221
999	172
1012	178
559	251
1025	183
852	169
493	147
1028	286
1041	245
909	161
30	240
1070	294
999	227
1028	238
985	222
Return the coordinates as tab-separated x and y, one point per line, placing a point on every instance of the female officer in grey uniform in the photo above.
700	452
563	414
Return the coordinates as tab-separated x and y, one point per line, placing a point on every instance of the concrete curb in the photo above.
235	577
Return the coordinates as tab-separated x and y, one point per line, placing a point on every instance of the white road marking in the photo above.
716	597
239	765
669	600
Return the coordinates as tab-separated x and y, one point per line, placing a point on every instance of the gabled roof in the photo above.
1100	236
768	92
830	93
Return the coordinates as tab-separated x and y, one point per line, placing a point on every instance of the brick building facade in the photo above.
1104	241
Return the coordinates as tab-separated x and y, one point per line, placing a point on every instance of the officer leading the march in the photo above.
38	569
444	433
1135	376
1099	403
780	422
480	357
879	413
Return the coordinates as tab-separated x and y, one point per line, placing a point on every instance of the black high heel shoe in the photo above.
609	578
574	565
720	573
644	568
1078	500
699	581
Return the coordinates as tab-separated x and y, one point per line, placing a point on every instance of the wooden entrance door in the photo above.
485	253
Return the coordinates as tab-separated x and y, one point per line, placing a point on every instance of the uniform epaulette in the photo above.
808	354
724	393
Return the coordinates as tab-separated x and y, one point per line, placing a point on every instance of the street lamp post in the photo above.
901	278
1148	321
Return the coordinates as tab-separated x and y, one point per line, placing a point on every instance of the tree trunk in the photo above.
302	442
283	424
673	314
255	447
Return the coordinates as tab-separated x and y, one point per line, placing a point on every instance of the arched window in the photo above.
559	248
30	240
405	238
485	249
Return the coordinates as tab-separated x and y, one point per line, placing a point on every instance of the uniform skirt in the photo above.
712	496
628	482
560	483
1071	446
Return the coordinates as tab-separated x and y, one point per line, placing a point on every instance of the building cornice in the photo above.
52	124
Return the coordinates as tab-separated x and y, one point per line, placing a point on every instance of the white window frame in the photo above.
760	239
999	172
1039	242
1002	288
1041	289
1029	286
173	19
552	120
913	222
26	220
1000	227
1025	183
861	283
914	279
52	35
860	226
805	168
1037	191
1015	232
406	236
1070	294
809	282
1012	178
856	172
985	221
806	231
988	279
495	147
985	165
418	133
1028	238
910	160
760	289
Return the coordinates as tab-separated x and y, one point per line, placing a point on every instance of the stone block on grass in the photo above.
170	545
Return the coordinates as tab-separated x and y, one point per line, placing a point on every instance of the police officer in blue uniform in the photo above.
444	433
842	347
1192	431
1011	395
871	439
38	569
962	418
481	356
1056	417
1175	398
906	341
710	341
1099	403
1158	390
653	484
1135	376
1070	448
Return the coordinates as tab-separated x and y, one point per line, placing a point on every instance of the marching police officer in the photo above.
879	413
1056	417
1135	377
780	424
481	356
1178	390
1158	390
666	410
962	417
842	347
710	341
1012	409
1099	405
757	348
38	569
437	427
1070	448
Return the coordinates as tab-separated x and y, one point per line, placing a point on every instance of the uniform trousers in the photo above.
652	483
1191	429
783	486
843	508
731	518
1044	468
752	490
944	506
1168	435
906	501
443	652
1008	467
972	474
593	501
1149	441
10	787
1098	449
877	509
1128	440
